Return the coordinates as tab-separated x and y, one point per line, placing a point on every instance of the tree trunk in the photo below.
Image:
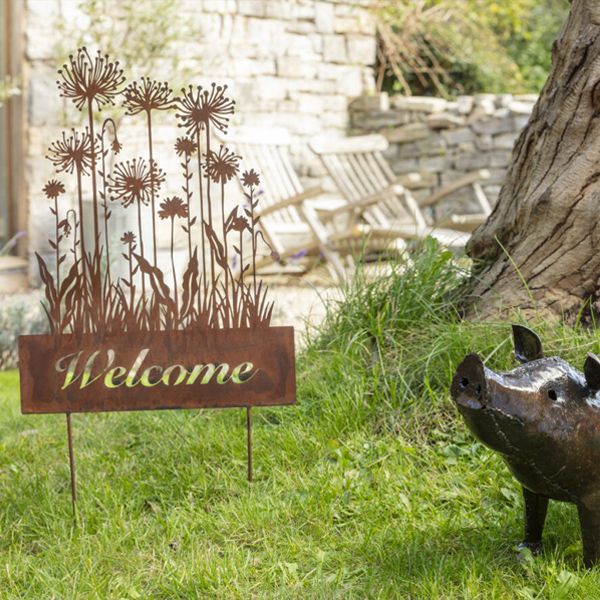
538	251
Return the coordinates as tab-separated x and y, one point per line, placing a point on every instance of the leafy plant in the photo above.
449	47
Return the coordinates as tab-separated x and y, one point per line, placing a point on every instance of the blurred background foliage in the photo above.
452	47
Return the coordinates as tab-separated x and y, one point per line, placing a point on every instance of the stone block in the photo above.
484	141
407	151
336	120
348	79
378	120
310	85
263	31
444	120
316	40
278	10
325	17
433	164
472	162
407	133
310	103
330	71
532	98
346	25
43	103
493	126
465	148
294	68
457	136
506	140
303	11
334	49
485	103
521	108
431	146
349	18
361	49
300	46
368	81
350	83
219	6
520	121
252	8
406	165
301	27
504	100
499	158
271	88
376	102
465	104
247	67
497	176
423	104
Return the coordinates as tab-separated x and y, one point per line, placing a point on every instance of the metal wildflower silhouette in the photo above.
239	224
128	238
73	152
222	166
250	178
173	207
185	145
116	146
85	81
65	227
200	107
53	189
211	294
131	181
147	96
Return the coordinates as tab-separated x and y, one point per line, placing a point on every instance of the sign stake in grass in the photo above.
128	332
72	467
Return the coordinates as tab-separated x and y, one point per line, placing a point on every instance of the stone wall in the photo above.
442	140
291	63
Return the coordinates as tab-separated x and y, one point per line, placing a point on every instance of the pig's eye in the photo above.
552	394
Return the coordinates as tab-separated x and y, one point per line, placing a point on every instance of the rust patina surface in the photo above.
158	370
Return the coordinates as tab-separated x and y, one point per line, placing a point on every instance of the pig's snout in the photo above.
468	385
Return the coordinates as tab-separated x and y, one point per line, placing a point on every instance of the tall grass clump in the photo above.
399	337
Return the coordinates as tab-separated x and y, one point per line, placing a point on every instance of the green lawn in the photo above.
370	487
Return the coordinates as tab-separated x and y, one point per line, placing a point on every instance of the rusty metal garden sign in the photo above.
146	340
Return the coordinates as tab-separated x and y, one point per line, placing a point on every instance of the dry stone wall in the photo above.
442	140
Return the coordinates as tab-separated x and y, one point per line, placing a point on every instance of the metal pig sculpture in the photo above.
544	419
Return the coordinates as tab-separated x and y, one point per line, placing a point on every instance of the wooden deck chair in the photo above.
296	221
371	189
287	229
464	221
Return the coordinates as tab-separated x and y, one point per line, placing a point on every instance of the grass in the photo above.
370	487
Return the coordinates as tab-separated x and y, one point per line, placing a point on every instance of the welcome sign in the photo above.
234	368
126	332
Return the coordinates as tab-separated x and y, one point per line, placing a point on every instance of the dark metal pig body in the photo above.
544	419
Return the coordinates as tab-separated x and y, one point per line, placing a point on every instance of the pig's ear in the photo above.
591	369
528	345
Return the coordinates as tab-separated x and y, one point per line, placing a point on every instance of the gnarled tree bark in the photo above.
539	248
